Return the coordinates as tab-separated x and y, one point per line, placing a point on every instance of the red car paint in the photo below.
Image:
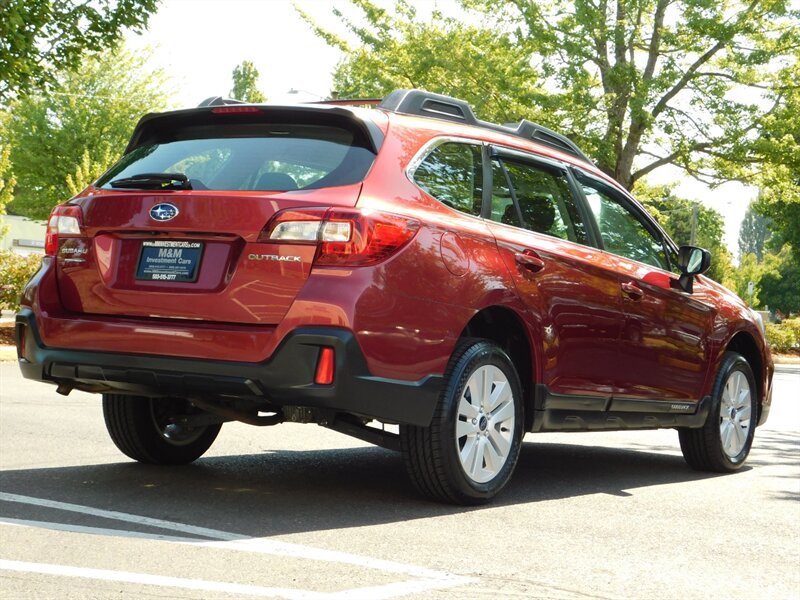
596	324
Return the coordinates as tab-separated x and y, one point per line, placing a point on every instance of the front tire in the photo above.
724	441
468	453
141	428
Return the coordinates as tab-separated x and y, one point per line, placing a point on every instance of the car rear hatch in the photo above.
176	229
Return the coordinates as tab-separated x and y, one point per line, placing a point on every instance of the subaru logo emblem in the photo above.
163	212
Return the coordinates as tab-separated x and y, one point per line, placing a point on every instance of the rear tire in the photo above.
724	441
470	449
141	429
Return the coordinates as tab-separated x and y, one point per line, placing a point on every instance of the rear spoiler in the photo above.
163	126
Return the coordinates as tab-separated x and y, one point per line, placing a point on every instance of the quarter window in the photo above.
621	230
452	173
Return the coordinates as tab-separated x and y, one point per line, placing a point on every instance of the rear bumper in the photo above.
287	378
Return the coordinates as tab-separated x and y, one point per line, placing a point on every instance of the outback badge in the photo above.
163	212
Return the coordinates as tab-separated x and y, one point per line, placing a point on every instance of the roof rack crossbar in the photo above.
427	104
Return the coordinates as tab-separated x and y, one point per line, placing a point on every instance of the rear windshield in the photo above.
252	157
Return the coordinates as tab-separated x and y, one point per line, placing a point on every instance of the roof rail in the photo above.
437	106
219	101
539	133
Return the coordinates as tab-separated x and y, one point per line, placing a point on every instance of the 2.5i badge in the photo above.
169	260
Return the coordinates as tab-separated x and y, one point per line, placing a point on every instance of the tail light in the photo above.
345	237
64	220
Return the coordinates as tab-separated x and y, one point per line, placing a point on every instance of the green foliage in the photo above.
753	234
15	271
778	148
7	181
776	281
444	56
675	216
88	169
41	37
749	269
245	84
780	286
656	80
784	337
78	128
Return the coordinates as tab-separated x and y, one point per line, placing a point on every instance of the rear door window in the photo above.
537	198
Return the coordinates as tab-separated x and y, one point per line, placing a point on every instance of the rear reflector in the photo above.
324	375
21	341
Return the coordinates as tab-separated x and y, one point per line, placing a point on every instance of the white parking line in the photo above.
428	579
159	580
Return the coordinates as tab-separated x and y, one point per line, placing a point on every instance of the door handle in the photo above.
633	291
529	260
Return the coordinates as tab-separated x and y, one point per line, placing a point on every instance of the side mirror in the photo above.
692	261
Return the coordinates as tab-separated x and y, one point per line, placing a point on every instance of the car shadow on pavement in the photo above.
287	492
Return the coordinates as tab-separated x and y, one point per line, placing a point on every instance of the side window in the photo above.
504	210
543	198
452	173
622	231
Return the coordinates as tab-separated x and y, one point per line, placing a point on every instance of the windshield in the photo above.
251	157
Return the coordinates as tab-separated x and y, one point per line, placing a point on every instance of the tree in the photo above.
780	287
675	215
41	37
660	81
87	117
749	269
779	145
445	56
753	233
7	179
245	83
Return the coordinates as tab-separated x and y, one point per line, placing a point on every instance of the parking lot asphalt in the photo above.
296	511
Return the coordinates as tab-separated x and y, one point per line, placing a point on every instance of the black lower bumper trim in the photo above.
287	378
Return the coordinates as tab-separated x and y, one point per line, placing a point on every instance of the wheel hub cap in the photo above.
485	425
734	412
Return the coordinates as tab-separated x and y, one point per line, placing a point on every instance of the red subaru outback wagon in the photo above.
406	264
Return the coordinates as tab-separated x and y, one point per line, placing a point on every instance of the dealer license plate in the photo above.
168	260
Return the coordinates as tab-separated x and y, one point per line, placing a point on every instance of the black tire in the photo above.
711	448
433	455
138	427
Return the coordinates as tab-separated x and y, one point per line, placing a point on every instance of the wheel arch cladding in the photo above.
744	344
504	327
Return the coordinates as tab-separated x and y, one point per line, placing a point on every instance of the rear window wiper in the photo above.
154	181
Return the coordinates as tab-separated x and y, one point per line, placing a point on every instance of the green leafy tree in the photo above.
39	38
15	271
749	269
639	84
88	169
445	56
83	122
780	287
245	83
779	148
675	215
7	180
753	234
